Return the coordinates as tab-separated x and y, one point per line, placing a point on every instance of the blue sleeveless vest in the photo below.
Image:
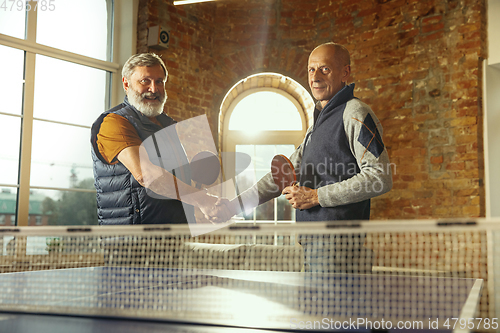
121	199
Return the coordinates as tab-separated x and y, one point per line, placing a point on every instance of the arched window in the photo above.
266	111
264	115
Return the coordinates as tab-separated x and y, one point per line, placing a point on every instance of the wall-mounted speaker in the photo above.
158	38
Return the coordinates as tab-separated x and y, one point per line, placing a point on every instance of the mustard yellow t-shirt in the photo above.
117	133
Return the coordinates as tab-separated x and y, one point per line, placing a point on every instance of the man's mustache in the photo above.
151	95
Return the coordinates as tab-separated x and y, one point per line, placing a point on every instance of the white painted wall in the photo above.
492	138
494	31
492	111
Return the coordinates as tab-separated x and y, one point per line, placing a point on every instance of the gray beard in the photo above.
148	108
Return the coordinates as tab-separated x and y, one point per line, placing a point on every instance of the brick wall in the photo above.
418	63
189	58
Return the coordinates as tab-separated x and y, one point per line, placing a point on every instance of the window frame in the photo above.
122	23
231	138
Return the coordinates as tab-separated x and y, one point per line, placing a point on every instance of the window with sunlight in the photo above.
265	111
58	64
262	123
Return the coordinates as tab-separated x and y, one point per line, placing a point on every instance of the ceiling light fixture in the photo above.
188	2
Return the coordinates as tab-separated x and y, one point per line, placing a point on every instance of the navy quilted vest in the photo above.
120	198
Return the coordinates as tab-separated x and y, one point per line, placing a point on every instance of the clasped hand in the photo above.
301	197
217	210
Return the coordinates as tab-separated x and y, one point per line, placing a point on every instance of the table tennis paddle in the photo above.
283	172
205	168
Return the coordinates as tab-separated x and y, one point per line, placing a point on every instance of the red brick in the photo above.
436	159
432	27
432	36
399	54
432	20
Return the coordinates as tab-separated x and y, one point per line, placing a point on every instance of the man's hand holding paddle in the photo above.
284	176
301	197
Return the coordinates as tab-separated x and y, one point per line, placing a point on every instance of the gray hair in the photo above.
142	59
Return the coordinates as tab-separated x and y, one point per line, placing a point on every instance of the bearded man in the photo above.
123	176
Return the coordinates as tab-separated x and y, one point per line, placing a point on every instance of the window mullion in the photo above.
32	46
27	124
26	140
275	200
254	168
31	17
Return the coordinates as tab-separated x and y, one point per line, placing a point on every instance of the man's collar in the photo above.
346	89
339	96
319	107
126	101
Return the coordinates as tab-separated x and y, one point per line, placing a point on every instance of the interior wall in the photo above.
494	32
418	63
492	109
492	102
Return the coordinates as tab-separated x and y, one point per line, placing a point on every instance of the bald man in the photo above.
342	160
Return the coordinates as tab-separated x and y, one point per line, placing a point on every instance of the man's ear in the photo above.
346	73
125	84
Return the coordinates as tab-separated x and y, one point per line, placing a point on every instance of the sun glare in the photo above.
265	111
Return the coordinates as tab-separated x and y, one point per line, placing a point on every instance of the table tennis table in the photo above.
135	299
